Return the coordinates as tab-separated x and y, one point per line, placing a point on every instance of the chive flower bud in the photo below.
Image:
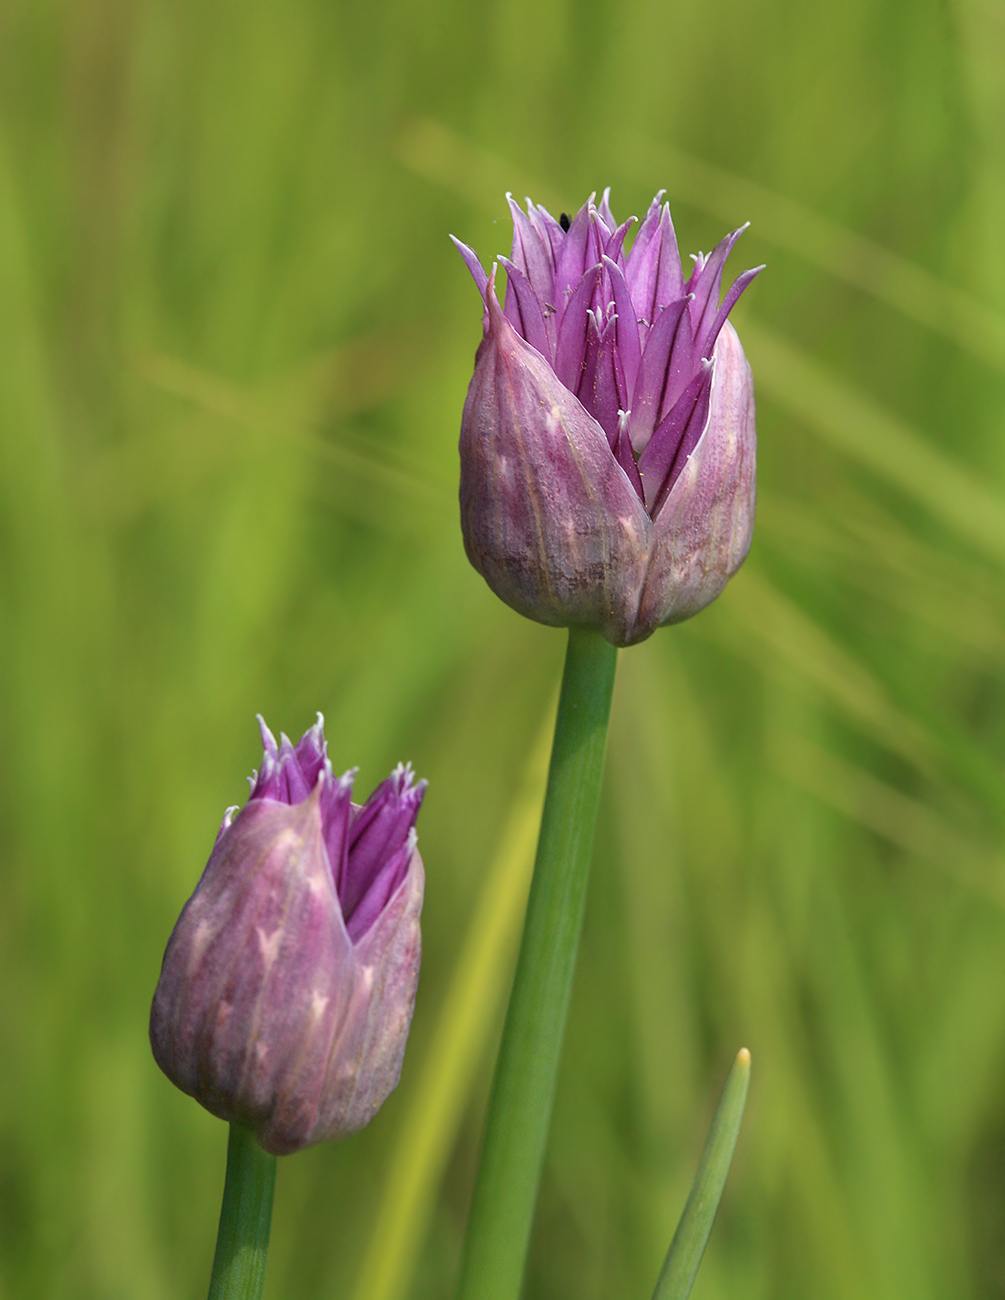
607	443
287	988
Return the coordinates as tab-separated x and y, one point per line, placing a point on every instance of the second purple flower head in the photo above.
287	988
608	442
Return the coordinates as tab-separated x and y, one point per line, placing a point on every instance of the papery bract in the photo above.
607	442
287	987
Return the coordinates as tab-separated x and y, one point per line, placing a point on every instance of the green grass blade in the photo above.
429	1130
684	1256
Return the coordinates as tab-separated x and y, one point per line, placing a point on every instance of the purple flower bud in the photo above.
288	983
607	443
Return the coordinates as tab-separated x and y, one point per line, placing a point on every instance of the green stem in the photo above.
242	1242
517	1130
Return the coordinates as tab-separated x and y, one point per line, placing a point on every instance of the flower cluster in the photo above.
607	443
287	988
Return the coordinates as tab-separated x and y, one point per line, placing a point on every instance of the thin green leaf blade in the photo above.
688	1246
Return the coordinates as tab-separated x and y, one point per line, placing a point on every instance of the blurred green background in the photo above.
234	346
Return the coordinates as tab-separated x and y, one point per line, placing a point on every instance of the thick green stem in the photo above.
242	1242
520	1111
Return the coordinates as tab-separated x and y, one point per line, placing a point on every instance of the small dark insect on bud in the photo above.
565	222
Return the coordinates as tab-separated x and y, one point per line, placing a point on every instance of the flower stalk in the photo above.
524	1089
242	1242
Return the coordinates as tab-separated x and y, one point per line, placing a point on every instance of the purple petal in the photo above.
628	334
595	244
604	211
670	278
548	228
625	457
571	346
336	811
473	265
228	820
312	752
266	784
381	832
666	360
288	774
268	739
692	434
380	890
571	261
602	391
619	389
705	345
665	453
614	248
647	232
655	277
705	284
293	787
525	313
680	367
590	355
531	254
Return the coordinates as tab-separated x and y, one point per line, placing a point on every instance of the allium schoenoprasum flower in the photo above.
607	442
287	988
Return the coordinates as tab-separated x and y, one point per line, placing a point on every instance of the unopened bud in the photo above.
607	442
287	988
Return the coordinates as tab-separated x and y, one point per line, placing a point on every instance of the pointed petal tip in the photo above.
473	263
268	739
406	787
316	735
492	304
228	820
